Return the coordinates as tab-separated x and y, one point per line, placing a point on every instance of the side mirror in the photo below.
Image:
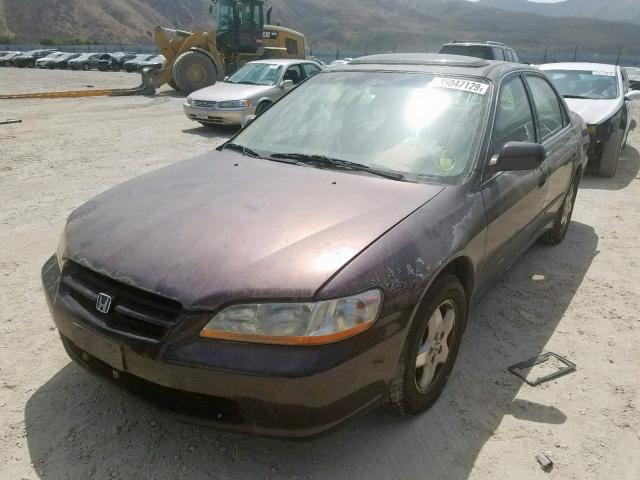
516	156
226	78
247	120
633	95
286	84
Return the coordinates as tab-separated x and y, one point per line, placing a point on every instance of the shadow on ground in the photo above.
78	426
628	168
212	131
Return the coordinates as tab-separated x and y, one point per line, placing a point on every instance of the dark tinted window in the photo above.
547	105
294	73
478	51
514	119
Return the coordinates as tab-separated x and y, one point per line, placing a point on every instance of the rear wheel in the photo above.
563	219
173	85
430	349
85	67
193	70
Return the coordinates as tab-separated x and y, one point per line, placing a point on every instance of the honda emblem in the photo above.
103	303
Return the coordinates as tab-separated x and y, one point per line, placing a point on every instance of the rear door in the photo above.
513	200
557	136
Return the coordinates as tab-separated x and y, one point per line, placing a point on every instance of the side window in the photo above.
498	53
292	46
509	55
294	73
514	118
515	56
310	69
547	105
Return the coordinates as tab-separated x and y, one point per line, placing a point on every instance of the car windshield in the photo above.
477	51
257	74
422	126
588	85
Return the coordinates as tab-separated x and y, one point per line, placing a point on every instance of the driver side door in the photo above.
513	200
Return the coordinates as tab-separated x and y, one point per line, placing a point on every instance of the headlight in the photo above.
189	100
296	323
235	104
62	246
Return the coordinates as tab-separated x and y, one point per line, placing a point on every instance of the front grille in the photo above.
204	104
133	313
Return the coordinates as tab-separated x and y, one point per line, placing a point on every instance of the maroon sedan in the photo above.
322	262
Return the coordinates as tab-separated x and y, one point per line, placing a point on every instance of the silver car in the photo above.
249	91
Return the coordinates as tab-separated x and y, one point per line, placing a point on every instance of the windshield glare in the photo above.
585	84
257	74
415	124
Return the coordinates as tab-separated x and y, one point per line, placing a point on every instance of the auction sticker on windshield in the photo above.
603	74
460	84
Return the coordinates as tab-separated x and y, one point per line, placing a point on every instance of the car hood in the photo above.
230	91
222	227
594	111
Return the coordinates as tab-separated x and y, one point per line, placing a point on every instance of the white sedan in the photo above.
600	93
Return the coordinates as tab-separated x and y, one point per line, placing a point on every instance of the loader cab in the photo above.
240	25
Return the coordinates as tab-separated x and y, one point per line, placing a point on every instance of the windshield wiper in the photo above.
579	97
325	161
244	150
247	82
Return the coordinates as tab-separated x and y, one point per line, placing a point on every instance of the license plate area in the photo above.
202	114
98	346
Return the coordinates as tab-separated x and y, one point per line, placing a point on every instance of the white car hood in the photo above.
230	91
594	111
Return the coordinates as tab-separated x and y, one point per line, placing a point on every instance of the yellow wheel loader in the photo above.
196	60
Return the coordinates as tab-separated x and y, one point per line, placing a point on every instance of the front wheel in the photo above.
430	349
262	107
193	70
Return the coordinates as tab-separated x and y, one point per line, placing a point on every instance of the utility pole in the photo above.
546	50
618	57
337	51
575	54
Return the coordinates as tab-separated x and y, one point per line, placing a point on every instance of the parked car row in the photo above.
51	58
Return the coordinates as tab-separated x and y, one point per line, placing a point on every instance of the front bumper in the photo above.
215	116
264	389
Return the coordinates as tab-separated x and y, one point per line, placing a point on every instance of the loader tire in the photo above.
172	84
192	71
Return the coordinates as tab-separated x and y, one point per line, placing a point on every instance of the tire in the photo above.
610	168
262	107
172	84
192	71
563	219
85	67
116	68
406	394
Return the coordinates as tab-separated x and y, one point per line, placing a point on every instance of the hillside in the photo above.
376	24
613	10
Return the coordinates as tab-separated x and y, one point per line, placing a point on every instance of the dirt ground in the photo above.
580	300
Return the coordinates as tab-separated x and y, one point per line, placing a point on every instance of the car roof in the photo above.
282	61
433	63
579	66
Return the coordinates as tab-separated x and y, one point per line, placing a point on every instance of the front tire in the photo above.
262	107
431	348
194	70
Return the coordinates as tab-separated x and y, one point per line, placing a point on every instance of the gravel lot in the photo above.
580	300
